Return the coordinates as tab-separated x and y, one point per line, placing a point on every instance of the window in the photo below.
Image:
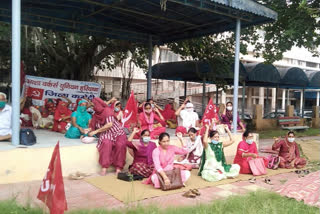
312	64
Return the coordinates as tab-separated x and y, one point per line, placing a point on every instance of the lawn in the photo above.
252	203
279	132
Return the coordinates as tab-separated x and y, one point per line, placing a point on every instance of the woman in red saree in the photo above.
152	120
62	117
26	115
289	153
169	116
112	139
247	149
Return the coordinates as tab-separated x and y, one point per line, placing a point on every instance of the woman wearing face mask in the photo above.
246	150
227	117
213	163
163	158
188	118
62	117
194	146
118	110
289	153
151	119
142	153
80	121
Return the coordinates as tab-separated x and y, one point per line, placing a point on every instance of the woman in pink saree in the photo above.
289	153
163	157
151	119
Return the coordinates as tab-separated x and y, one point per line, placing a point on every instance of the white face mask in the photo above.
148	111
189	109
249	141
215	110
229	108
291	139
146	139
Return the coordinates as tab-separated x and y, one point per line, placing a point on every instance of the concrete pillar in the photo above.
223	97
249	97
273	99
315	111
318	97
257	109
288	97
301	101
315	118
289	111
283	104
261	97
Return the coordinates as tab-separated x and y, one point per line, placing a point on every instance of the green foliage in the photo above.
252	203
298	25
66	55
268	134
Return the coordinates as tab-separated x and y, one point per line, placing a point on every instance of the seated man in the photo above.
190	119
5	118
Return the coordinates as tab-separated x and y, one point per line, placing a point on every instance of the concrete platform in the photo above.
21	163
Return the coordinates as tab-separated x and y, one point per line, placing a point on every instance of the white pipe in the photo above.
15	72
236	77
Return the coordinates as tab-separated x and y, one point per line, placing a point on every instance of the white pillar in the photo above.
283	104
301	101
273	99
236	76
223	97
249	98
261	97
15	73
318	97
288	97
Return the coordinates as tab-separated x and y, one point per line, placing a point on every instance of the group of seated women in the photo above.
198	150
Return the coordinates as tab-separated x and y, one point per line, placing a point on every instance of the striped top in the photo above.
112	133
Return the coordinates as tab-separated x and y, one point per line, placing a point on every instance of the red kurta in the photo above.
61	111
154	132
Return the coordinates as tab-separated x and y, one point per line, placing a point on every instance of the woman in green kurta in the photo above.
80	121
213	165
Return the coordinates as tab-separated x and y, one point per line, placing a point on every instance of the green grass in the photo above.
252	203
267	134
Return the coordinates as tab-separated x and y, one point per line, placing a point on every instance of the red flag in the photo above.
130	113
210	113
52	188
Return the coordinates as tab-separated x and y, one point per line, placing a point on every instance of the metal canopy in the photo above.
293	77
136	20
314	79
260	74
191	71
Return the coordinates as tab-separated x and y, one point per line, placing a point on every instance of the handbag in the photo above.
125	176
27	137
273	161
174	176
257	166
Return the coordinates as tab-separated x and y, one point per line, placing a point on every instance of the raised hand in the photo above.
136	130
179	135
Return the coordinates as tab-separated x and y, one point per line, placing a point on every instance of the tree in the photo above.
298	24
66	55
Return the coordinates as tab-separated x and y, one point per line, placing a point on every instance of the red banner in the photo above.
210	113
52	188
130	113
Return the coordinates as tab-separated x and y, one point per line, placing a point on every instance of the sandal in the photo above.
196	192
83	174
189	194
252	180
75	177
306	172
268	181
298	171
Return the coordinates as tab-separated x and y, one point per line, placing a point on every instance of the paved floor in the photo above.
81	194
